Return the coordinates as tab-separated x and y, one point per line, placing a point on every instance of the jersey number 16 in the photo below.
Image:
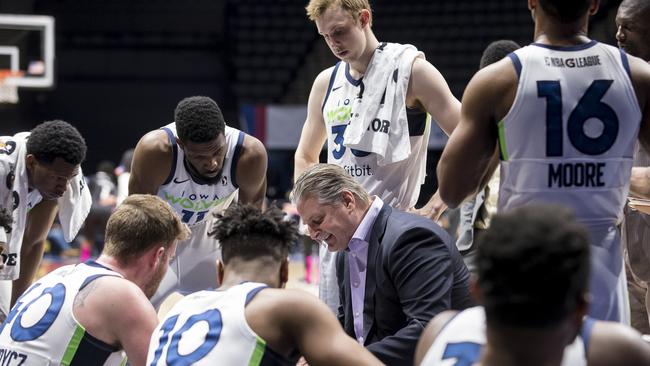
590	106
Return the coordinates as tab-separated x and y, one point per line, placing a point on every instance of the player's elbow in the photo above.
452	193
298	156
449	189
302	161
450	196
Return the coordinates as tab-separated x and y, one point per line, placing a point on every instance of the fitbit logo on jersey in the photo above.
358	171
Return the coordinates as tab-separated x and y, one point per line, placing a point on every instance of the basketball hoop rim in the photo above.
7	75
8	86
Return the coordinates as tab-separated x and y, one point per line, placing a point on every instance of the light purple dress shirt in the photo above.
357	260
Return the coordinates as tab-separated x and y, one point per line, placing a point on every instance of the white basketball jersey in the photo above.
570	134
41	328
397	184
191	198
210	328
461	340
569	139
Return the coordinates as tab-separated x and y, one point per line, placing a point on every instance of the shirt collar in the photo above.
362	234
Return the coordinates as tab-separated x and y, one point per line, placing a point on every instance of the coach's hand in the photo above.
433	209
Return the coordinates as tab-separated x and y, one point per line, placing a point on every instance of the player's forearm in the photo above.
457	181
30	259
453	186
348	352
640	182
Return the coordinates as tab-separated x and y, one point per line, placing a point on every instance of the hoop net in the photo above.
8	87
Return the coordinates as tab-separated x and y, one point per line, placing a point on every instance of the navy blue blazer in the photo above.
414	273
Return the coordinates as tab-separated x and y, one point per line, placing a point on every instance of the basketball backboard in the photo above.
27	47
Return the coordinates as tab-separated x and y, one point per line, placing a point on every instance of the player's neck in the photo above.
235	275
358	67
197	177
114	265
499	358
511	346
550	32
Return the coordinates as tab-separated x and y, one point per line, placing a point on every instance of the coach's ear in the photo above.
219	271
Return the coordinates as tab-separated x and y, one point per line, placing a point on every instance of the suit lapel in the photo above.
344	284
374	250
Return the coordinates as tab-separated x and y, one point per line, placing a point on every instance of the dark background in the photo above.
123	65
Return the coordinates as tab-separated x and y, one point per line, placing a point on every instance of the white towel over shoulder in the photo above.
382	128
13	198
74	206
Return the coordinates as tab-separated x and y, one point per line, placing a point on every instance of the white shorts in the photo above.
194	268
328	286
608	285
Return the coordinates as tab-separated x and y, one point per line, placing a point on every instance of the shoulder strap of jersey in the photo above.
235	159
331	84
172	141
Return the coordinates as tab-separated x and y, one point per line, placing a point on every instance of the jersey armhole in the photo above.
516	63
444	326
252	294
94	277
235	159
330	84
626	63
172	140
92	263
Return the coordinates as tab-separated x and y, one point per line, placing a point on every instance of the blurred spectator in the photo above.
305	244
103	191
123	172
